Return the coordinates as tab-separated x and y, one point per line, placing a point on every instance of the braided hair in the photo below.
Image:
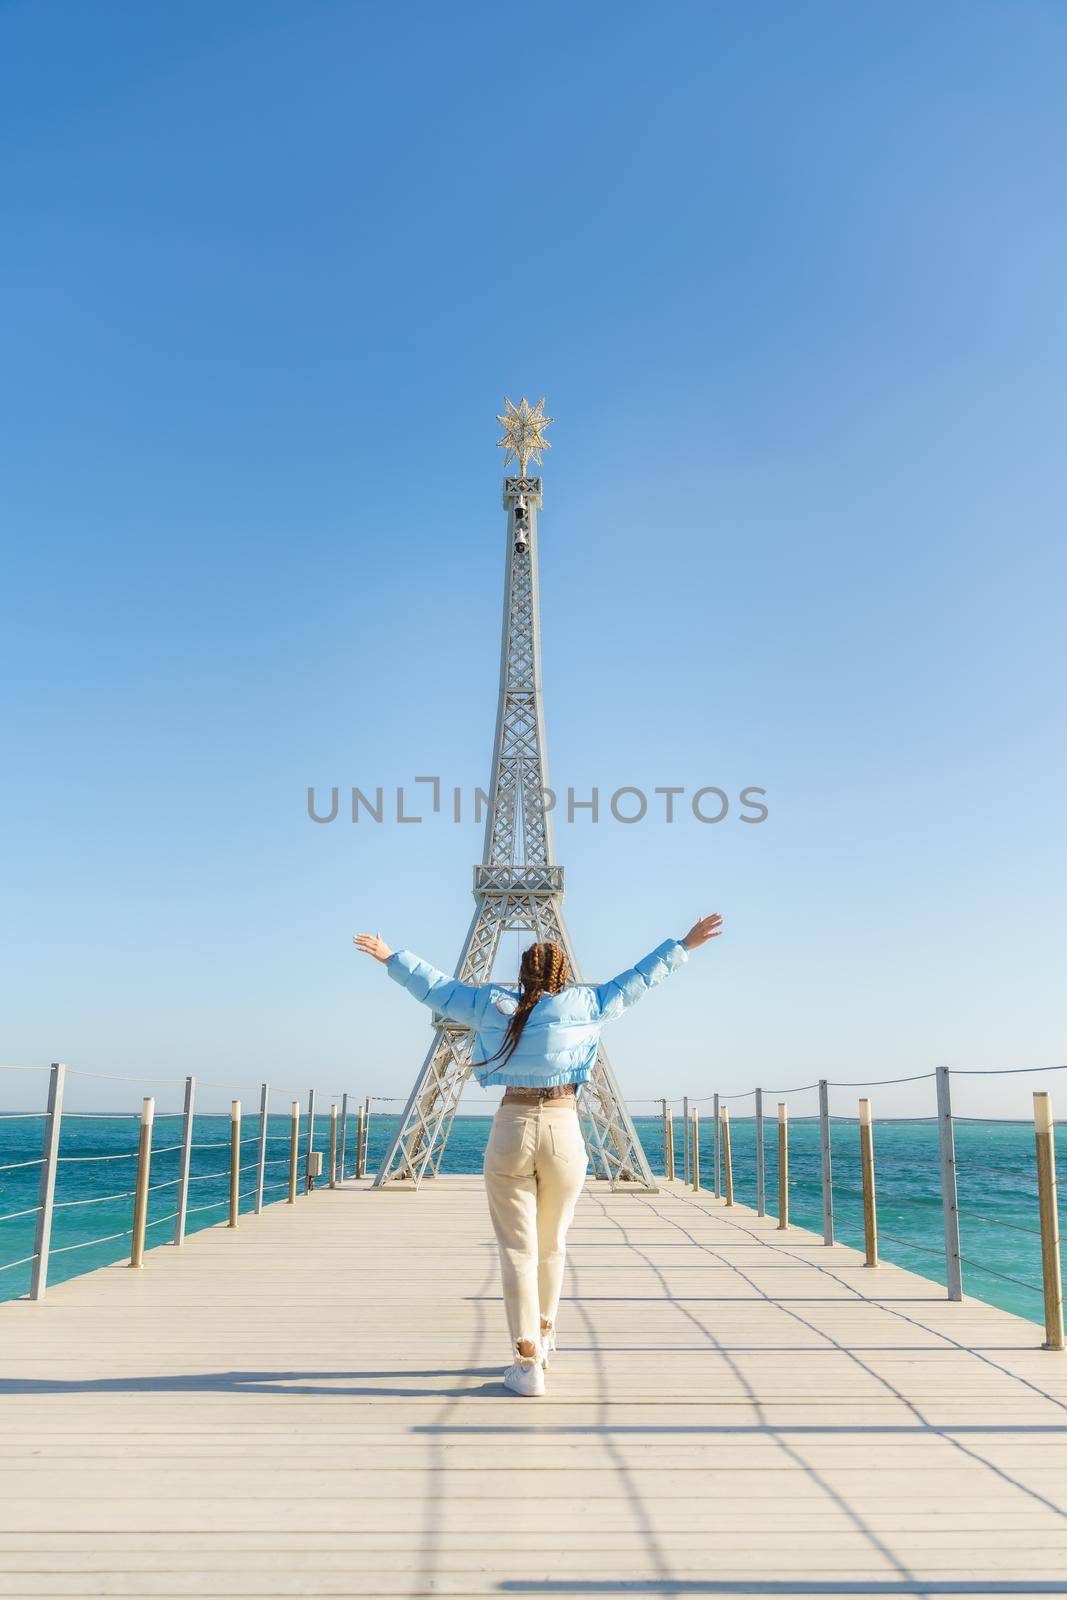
543	970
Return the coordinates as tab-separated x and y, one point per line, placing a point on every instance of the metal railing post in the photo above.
235	1162
360	1118
310	1142
761	1159
294	1148
949	1208
261	1157
715	1156
670	1143
826	1169
344	1133
663	1105
870	1212
694	1142
333	1146
685	1138
727	1160
1051	1269
46	1189
783	1165
366	1134
144	1168
185	1155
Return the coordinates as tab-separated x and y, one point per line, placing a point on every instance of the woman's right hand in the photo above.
372	944
707	928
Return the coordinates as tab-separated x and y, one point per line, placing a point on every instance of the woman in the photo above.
540	1042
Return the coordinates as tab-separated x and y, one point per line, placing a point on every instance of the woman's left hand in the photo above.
703	930
372	944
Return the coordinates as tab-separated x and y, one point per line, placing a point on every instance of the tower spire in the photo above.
518	885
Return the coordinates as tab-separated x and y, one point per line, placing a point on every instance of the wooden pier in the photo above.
311	1405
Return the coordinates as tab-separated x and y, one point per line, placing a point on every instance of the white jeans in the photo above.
535	1165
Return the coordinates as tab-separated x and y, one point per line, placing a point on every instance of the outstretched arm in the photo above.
620	993
460	1002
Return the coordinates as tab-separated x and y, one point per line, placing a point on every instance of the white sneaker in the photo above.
525	1378
548	1343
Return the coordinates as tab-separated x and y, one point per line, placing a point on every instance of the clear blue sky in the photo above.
791	277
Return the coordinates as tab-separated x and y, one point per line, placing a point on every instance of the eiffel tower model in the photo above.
518	884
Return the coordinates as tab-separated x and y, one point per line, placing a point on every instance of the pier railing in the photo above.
758	1147
212	1166
825	1152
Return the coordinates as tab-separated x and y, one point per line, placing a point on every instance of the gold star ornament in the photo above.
524	432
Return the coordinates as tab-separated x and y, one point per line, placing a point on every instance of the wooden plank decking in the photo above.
312	1406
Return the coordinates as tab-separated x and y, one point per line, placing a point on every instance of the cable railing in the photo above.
947	1173
317	1144
815	1161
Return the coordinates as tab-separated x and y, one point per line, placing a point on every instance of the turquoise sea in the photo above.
995	1161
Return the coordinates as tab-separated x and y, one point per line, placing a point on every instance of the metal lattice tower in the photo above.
517	886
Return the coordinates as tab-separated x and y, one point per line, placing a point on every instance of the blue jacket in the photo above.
559	1042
